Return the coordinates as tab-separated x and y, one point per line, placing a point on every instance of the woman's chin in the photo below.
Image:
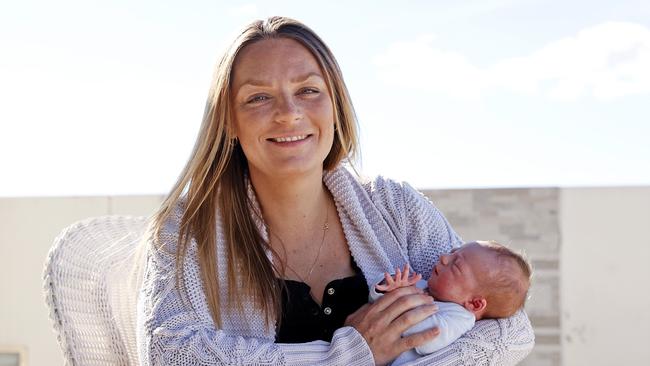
293	170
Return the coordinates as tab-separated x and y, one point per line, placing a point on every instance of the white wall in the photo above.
28	227
605	271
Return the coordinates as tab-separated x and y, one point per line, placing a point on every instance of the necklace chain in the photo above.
322	242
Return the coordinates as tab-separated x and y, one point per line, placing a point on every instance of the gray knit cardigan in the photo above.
386	224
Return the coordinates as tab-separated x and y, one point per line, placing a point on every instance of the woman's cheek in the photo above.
256	114
321	106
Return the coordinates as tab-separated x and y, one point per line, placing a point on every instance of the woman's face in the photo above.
284	117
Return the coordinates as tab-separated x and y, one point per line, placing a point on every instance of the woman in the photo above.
262	251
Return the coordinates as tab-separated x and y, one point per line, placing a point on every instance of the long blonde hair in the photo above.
215	176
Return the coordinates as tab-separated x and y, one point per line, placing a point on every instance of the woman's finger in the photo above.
354	317
402	305
392	296
413	316
417	339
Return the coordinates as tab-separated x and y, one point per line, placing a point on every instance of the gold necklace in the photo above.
322	242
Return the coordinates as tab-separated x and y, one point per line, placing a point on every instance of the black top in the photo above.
304	321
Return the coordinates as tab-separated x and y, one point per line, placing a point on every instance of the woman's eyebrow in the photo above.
249	83
303	78
296	80
253	82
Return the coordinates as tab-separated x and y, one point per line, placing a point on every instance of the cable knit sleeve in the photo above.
178	330
491	342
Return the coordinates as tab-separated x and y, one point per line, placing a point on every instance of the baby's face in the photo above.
455	277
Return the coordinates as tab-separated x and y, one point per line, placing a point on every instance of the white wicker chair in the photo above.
91	283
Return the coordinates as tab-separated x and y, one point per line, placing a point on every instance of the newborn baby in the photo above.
479	280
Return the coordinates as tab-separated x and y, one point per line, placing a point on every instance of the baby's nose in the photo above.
444	259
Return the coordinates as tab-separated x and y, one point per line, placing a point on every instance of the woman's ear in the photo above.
231	130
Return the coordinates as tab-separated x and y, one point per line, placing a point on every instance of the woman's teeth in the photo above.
289	138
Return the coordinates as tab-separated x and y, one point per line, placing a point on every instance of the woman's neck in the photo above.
291	205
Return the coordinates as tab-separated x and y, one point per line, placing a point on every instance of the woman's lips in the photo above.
292	138
289	141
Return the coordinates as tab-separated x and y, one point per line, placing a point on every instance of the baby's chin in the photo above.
438	297
432	288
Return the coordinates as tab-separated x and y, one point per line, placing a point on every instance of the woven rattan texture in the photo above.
90	285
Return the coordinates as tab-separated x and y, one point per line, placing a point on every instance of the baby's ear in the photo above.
476	305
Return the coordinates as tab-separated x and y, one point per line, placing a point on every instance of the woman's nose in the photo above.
287	110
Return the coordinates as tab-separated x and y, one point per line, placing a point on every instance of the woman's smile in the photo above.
293	140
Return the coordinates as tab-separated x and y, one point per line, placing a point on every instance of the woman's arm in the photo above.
425	232
175	331
491	342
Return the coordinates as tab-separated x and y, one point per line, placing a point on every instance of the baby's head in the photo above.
486	278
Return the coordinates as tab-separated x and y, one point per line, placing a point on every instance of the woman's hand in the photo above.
382	323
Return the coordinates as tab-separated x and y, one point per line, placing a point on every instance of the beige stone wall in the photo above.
590	249
523	219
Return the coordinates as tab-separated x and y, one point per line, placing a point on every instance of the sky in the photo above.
106	98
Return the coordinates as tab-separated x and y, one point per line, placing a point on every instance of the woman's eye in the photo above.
257	99
309	91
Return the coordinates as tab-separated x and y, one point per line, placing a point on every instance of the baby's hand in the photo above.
401	279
